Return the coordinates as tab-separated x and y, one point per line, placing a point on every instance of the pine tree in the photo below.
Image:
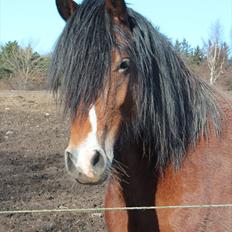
197	56
186	48
177	46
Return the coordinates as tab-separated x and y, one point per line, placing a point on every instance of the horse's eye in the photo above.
123	67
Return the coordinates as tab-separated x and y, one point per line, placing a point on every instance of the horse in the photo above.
142	120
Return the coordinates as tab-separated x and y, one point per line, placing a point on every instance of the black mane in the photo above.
82	56
174	108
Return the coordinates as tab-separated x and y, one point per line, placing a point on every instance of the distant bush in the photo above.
22	65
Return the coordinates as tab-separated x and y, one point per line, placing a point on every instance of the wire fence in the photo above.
88	210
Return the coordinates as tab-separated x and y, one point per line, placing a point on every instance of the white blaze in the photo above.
93	119
86	150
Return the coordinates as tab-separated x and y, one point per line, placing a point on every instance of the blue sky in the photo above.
37	21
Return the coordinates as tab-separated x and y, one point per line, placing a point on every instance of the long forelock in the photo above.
82	57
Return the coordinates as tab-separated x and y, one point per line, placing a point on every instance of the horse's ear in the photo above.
117	10
66	8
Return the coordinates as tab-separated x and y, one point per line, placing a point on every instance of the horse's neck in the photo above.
135	188
204	178
139	183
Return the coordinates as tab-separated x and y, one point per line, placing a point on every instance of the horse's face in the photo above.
89	154
90	151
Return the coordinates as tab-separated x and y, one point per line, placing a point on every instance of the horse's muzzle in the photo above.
87	167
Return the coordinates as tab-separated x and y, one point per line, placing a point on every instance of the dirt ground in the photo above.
33	136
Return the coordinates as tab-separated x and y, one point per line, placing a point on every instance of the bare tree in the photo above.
217	52
24	64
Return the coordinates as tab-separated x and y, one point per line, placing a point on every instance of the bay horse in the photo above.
142	120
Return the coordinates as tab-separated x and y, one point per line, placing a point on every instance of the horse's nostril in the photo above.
70	162
96	158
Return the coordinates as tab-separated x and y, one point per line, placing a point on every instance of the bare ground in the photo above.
33	136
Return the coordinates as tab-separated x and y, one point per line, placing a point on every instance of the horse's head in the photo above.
89	154
116	73
90	151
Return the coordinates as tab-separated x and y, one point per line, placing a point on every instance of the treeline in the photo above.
212	61
197	55
22	66
192	55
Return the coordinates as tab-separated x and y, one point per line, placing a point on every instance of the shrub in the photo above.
22	64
